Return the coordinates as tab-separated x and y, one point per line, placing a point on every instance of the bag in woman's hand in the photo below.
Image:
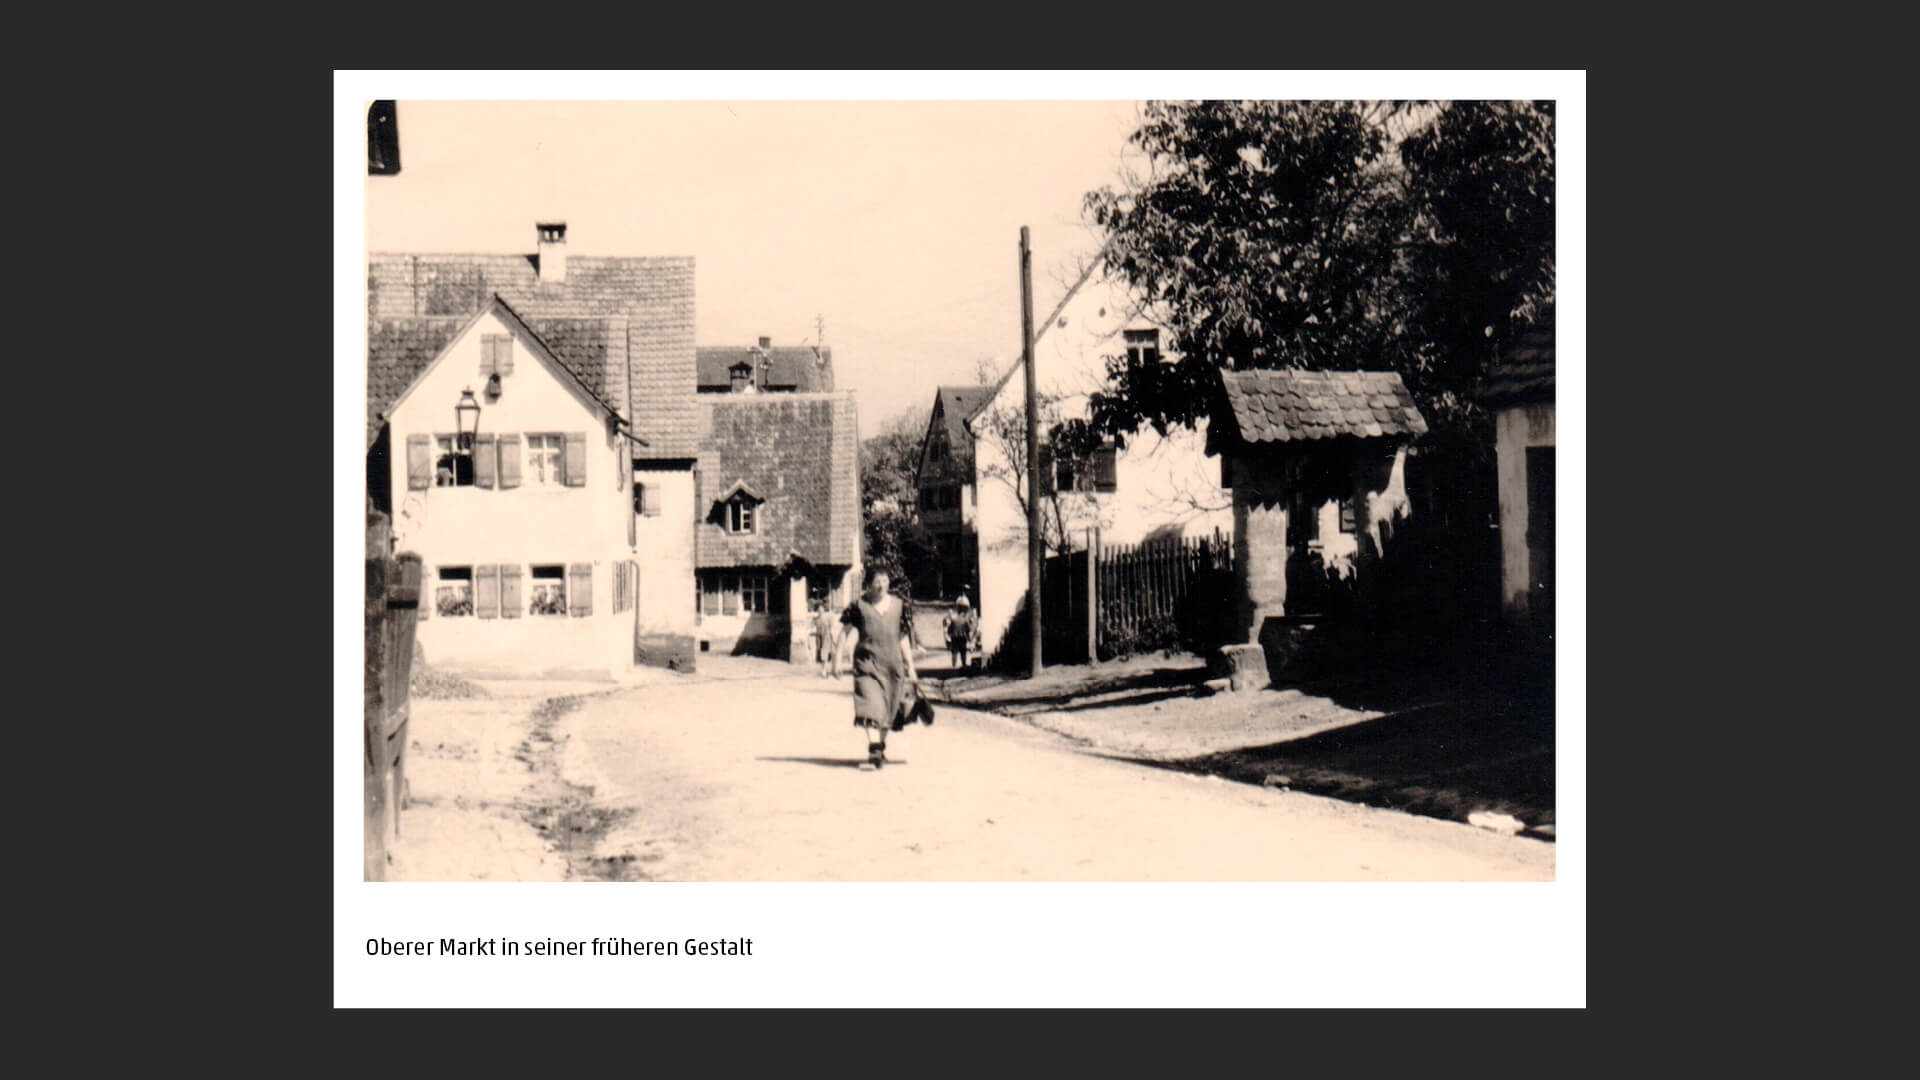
915	710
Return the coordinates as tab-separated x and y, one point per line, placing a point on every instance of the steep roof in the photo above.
1286	406
1523	373
953	407
653	295
398	350
799	453
789	367
592	350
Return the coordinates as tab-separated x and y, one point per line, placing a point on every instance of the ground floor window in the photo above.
732	594
453	596
549	591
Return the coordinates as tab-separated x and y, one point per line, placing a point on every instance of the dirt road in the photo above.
747	772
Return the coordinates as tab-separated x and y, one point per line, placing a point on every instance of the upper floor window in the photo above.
1349	521
1143	346
453	465
544	460
1094	472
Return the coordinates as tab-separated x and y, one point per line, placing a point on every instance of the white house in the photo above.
971	463
532	431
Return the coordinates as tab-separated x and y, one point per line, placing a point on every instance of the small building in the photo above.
1520	390
778	507
1316	461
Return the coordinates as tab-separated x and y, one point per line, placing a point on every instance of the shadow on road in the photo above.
1444	760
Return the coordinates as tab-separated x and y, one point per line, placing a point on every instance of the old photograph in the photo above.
964	491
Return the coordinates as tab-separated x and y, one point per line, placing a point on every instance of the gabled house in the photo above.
945	485
778	502
1520	390
1147	485
532	431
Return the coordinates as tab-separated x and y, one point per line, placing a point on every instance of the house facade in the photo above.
533	433
1147	485
1520	391
778	503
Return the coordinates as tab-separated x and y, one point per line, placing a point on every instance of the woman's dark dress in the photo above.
880	685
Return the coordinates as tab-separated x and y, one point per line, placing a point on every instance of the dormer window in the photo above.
740	515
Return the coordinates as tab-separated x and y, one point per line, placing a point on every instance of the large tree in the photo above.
1416	237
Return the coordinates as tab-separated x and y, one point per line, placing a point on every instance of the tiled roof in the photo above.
654	295
954	406
594	349
1523	373
398	350
790	367
1284	406
799	452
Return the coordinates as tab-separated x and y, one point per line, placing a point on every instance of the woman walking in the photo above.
883	674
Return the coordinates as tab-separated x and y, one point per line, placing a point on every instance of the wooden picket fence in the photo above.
1162	593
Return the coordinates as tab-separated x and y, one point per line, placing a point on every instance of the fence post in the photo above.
1093	595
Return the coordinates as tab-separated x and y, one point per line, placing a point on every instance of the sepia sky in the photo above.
898	222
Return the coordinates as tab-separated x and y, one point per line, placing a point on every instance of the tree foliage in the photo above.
889	510
1415	237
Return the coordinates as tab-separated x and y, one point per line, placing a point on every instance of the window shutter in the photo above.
427	592
1046	469
1105	469
486	591
575	469
419	464
503	355
486	356
511	604
484	457
580	589
510	456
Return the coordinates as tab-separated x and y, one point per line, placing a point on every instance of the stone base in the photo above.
1245	667
1283	643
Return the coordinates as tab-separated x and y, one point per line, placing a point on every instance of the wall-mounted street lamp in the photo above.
466	419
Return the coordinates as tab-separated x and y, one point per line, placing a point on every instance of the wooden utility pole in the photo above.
1035	566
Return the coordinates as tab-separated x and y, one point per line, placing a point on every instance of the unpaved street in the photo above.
747	772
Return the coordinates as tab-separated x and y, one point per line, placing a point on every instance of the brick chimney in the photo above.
553	251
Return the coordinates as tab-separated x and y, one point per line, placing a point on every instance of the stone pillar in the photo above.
798	619
1260	546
